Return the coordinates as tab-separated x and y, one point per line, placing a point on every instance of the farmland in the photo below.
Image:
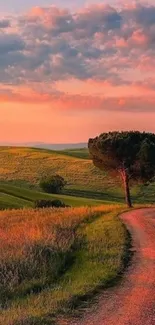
22	168
17	197
30	165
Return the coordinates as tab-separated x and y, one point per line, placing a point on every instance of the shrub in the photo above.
53	184
50	204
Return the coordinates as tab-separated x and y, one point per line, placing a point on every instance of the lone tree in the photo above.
130	155
53	184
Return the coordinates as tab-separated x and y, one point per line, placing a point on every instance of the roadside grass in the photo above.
54	257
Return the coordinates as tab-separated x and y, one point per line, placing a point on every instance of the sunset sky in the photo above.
72	69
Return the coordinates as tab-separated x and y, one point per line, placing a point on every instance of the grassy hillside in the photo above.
19	197
8	201
24	167
77	153
26	164
49	259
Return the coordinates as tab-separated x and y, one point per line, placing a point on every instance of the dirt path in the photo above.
133	301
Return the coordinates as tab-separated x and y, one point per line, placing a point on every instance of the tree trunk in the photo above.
127	189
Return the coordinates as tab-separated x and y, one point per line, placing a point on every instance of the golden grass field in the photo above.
25	167
49	258
26	164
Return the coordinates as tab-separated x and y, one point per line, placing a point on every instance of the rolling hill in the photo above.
43	145
22	168
28	165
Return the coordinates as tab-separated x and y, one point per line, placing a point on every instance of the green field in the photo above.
77	153
17	197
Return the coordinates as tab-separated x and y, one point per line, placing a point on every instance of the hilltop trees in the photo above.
130	155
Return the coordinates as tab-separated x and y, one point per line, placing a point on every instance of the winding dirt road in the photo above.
132	302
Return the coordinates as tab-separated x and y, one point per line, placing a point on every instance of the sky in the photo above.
70	70
22	5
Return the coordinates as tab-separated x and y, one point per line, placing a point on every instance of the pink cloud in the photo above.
120	42
36	12
99	59
137	97
139	38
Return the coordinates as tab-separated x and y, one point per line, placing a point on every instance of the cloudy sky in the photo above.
70	71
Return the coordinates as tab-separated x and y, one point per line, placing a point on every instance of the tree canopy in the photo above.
129	154
53	184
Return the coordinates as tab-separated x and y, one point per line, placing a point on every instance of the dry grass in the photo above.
35	246
46	255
